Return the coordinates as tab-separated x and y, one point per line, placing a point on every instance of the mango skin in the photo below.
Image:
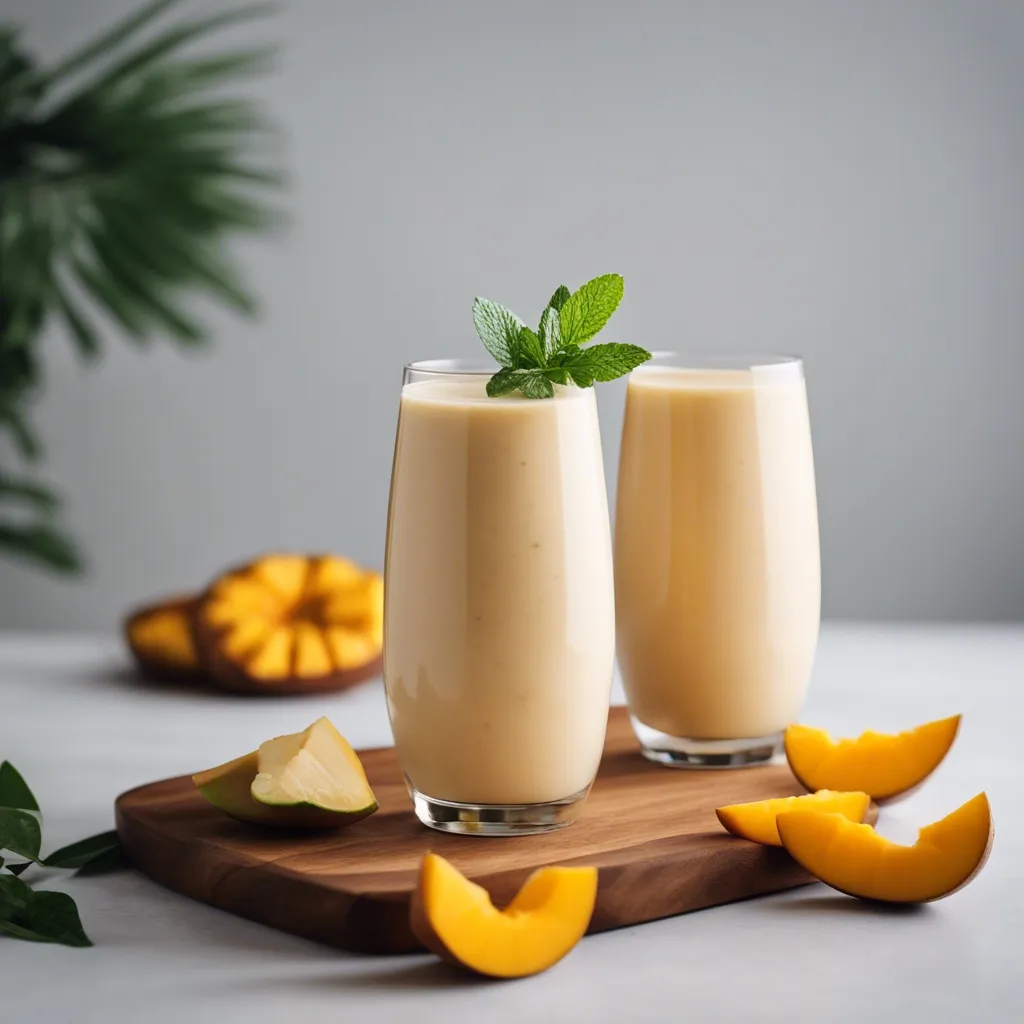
228	788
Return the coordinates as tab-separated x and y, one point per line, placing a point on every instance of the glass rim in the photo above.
453	367
698	359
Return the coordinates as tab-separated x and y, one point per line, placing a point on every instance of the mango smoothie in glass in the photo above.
717	570
499	609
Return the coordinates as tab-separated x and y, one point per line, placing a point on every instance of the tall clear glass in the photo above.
717	566
499	621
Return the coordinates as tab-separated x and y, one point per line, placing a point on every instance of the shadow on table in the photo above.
833	903
122	677
432	974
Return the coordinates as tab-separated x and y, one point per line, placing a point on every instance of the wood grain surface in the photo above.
651	831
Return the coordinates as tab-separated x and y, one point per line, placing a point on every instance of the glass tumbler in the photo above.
499	609
717	566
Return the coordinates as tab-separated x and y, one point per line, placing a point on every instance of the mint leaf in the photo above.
17	869
506	381
531	346
536	385
605	362
559	299
534	361
550	330
587	310
498	329
581	376
20	832
84	853
14	791
533	383
47	917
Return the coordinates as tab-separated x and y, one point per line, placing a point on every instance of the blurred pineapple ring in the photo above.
291	624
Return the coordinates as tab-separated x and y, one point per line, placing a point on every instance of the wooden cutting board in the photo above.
651	831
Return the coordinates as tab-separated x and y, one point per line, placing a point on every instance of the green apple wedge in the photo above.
312	779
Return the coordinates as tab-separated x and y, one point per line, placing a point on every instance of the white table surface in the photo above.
81	734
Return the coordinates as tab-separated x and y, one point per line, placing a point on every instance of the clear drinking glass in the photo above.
717	566
499	616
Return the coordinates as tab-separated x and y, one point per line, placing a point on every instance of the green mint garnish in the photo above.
534	361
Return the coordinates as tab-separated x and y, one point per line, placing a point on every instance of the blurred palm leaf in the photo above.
123	171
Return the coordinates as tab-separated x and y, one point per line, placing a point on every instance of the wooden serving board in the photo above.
651	831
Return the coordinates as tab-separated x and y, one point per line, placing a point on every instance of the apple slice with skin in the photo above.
455	918
312	780
883	766
314	776
856	860
756	820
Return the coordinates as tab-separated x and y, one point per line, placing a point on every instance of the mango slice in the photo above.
756	820
883	766
455	918
159	636
313	772
228	787
291	624
311	780
858	861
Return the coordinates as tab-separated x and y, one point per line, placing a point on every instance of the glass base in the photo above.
679	752
497	819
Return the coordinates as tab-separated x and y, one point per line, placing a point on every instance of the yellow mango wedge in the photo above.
856	860
756	820
455	918
882	765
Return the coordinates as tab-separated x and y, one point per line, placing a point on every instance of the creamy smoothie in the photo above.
499	610
716	552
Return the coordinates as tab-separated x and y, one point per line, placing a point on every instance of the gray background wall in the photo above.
841	179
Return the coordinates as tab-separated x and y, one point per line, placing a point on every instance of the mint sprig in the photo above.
42	915
532	362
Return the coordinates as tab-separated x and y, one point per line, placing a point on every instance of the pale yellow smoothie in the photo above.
499	610
718	581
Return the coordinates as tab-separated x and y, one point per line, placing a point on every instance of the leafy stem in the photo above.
533	362
41	915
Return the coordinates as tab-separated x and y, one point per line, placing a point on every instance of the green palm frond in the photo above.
124	171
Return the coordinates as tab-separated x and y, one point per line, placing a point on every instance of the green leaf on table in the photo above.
14	791
15	895
588	309
88	856
20	832
111	860
47	917
498	329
